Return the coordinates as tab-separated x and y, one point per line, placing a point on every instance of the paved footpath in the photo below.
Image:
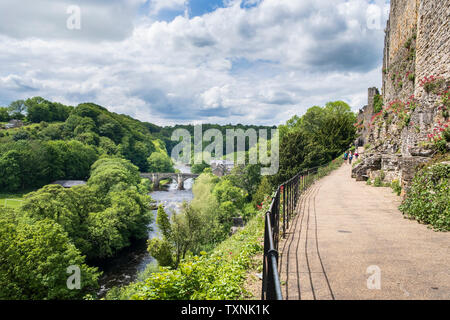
348	235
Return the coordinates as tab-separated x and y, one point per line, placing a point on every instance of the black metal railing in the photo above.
283	207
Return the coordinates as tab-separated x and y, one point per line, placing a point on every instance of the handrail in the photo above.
284	201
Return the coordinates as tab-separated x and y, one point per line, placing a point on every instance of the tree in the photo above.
35	258
163	222
187	232
39	109
161	248
9	179
108	173
4	115
158	162
108	146
292	156
69	159
264	190
314	139
246	177
30	156
231	201
198	168
17	107
104	234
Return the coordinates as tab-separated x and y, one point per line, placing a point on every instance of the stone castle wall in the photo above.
433	38
364	117
416	45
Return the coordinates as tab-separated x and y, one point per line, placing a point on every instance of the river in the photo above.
125	267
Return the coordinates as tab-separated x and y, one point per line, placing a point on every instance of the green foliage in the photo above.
166	132
378	182
199	168
408	42
219	275
107	173
100	218
428	197
162	251
377	103
158	162
163	222
69	160
231	201
39	109
4	115
246	177
35	257
28	164
367	146
17	109
440	145
184	232
396	187
264	189
315	139
9	179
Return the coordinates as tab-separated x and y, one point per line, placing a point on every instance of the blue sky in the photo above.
177	61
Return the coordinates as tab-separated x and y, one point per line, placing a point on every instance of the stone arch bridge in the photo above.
180	178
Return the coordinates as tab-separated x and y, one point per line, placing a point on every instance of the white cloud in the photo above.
158	5
261	64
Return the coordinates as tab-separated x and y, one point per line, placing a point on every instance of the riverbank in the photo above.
219	275
126	266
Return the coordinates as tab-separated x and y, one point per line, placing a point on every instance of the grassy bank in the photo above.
219	275
427	199
12	200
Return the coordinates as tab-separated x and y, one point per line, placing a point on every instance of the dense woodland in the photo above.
55	227
62	142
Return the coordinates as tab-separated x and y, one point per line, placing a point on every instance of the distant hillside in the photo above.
62	142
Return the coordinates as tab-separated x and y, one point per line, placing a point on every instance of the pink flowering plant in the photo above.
445	104
431	83
440	136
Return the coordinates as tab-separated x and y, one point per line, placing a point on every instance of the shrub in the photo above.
219	275
396	187
378	182
427	198
378	103
408	43
431	84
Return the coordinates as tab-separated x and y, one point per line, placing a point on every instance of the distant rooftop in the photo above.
69	183
223	162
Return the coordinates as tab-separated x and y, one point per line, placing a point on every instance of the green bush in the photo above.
428	197
396	187
378	182
378	102
216	276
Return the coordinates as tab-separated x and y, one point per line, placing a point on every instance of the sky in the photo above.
193	61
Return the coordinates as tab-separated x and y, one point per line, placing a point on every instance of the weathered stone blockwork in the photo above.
417	44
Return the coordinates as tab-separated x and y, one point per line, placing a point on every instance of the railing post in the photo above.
292	190
284	212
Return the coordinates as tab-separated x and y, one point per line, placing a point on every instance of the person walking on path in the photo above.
350	158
